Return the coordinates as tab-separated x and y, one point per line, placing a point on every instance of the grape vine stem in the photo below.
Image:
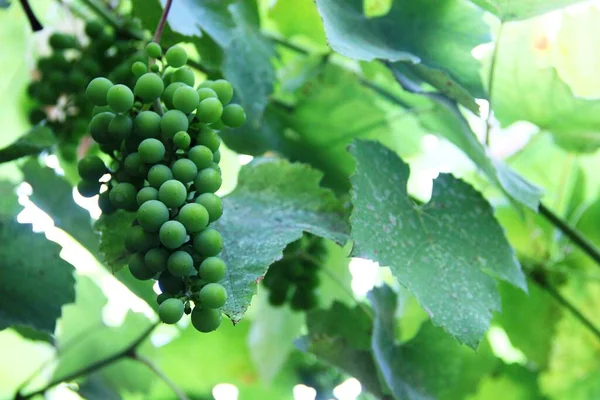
488	120
157	371
162	22
33	21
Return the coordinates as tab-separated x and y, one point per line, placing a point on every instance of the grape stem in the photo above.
161	23
488	120
129	351
157	371
33	21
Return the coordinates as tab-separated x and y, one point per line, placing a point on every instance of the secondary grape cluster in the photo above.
166	170
63	76
294	279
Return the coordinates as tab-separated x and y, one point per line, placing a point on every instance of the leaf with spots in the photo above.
453	243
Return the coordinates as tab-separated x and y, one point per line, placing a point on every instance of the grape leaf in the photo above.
515	379
113	228
438	34
511	10
4	3
33	142
284	14
274	202
452	243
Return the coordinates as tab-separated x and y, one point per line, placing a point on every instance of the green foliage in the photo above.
510	10
35	141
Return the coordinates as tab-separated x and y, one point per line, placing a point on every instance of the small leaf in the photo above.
452	243
33	142
113	229
511	10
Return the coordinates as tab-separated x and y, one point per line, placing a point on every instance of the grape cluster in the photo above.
166	170
295	278
63	76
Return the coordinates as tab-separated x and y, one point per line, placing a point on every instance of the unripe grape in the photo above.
77	80
120	127
138	268
158	175
186	99
170	311
60	41
155	68
146	194
184	170
152	215
149	87
94	29
212	269
213	295
97	90
139	240
131	144
172	234
213	205
182	140
233	116
123	196
209	138
172	122
151	150
135	166
169	283
104	203
162	297
176	56
167	96
91	168
303	300
88	188
172	193
138	69
209	110
147	124
217	158
180	263
202	156
119	98
153	50
206	319
194	217
99	127
184	75
278	296
208	242
206	84
223	90
101	109
156	259
208	181
206	93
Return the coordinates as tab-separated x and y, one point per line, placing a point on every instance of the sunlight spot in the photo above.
245	159
365	275
350	389
225	391
503	348
303	392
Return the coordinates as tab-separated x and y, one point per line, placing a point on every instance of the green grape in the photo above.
196	285
187	309
94	29
217	158
176	56
180	263
303	300
185	99
120	127
208	181
212	269
172	122
167	96
169	283
104	203
206	93
138	69
151	150
155	68
47	94
90	67
170	311
131	144
223	90
213	295
149	87
139	240
233	116
167	78
158	175
138	268
172	234
206	84
184	170
194	217
184	75
208	242
205	319
162	297
156	259
99	127
209	138
146	194
147	124
153	50
100	109
152	215
135	166
60	41
213	205
182	140
91	168
278	296
123	196
119	98
172	193
77	80
202	156
209	110
88	188
97	90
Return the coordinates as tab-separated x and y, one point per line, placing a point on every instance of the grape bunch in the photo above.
63	76
295	278
165	168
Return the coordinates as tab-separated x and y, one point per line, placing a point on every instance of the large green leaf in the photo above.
33	142
274	202
285	15
440	34
512	380
452	243
509	10
113	229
